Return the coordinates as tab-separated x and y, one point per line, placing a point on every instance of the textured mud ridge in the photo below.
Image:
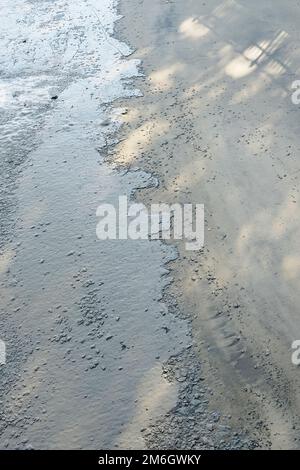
190	424
193	423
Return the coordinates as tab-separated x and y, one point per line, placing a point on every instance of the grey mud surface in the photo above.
217	125
103	349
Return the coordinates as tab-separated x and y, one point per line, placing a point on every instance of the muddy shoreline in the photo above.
192	423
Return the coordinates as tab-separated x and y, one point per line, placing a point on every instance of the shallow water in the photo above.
84	320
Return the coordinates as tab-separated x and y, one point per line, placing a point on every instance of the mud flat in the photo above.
216	125
103	349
